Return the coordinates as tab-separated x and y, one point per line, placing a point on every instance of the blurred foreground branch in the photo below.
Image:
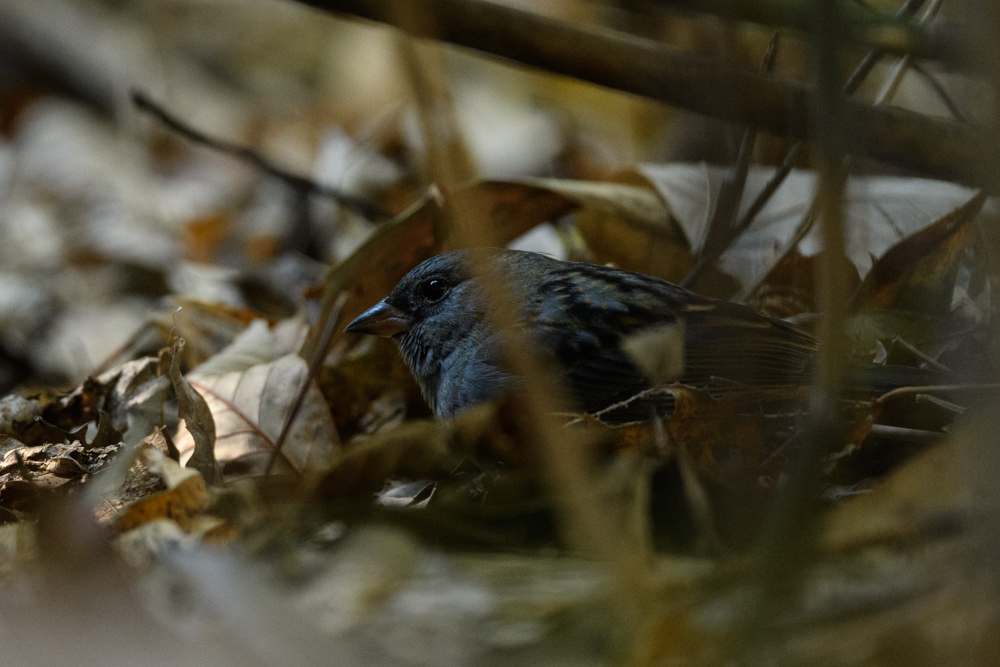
863	24
927	146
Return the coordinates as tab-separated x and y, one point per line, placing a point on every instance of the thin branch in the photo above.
932	389
901	434
928	146
359	205
860	73
854	82
864	24
723	229
895	77
917	352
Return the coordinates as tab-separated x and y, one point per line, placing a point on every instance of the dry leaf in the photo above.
186	495
879	212
249	409
374	268
193	409
629	225
626	224
918	273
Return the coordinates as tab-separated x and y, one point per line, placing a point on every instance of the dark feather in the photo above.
581	315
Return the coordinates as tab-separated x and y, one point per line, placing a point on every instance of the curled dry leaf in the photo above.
918	273
27	472
193	409
62	460
908	293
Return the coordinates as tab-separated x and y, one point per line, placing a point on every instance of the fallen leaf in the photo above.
193	409
917	274
249	409
627	224
879	211
186	495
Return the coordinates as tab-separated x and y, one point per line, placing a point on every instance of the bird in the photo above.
579	317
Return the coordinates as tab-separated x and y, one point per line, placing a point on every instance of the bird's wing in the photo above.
729	343
582	318
586	316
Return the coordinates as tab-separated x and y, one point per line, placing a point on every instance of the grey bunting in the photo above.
580	316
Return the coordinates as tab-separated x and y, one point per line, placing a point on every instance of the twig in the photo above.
931	389
722	229
785	540
895	77
359	205
915	351
863	24
928	146
941	403
851	86
905	434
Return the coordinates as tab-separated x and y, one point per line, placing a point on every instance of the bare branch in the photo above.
864	24
359	205
927	146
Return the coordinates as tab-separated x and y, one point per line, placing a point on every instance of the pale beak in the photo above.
381	319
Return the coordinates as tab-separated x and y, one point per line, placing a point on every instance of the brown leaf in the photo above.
191	407
918	273
249	408
423	449
514	207
186	495
356	387
624	223
789	287
374	269
724	441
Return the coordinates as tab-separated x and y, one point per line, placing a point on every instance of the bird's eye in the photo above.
432	290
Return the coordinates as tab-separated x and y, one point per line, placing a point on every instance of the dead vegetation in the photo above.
198	466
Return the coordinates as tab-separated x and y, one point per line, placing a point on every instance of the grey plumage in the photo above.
579	315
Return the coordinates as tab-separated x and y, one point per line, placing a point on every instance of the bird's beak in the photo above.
381	319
